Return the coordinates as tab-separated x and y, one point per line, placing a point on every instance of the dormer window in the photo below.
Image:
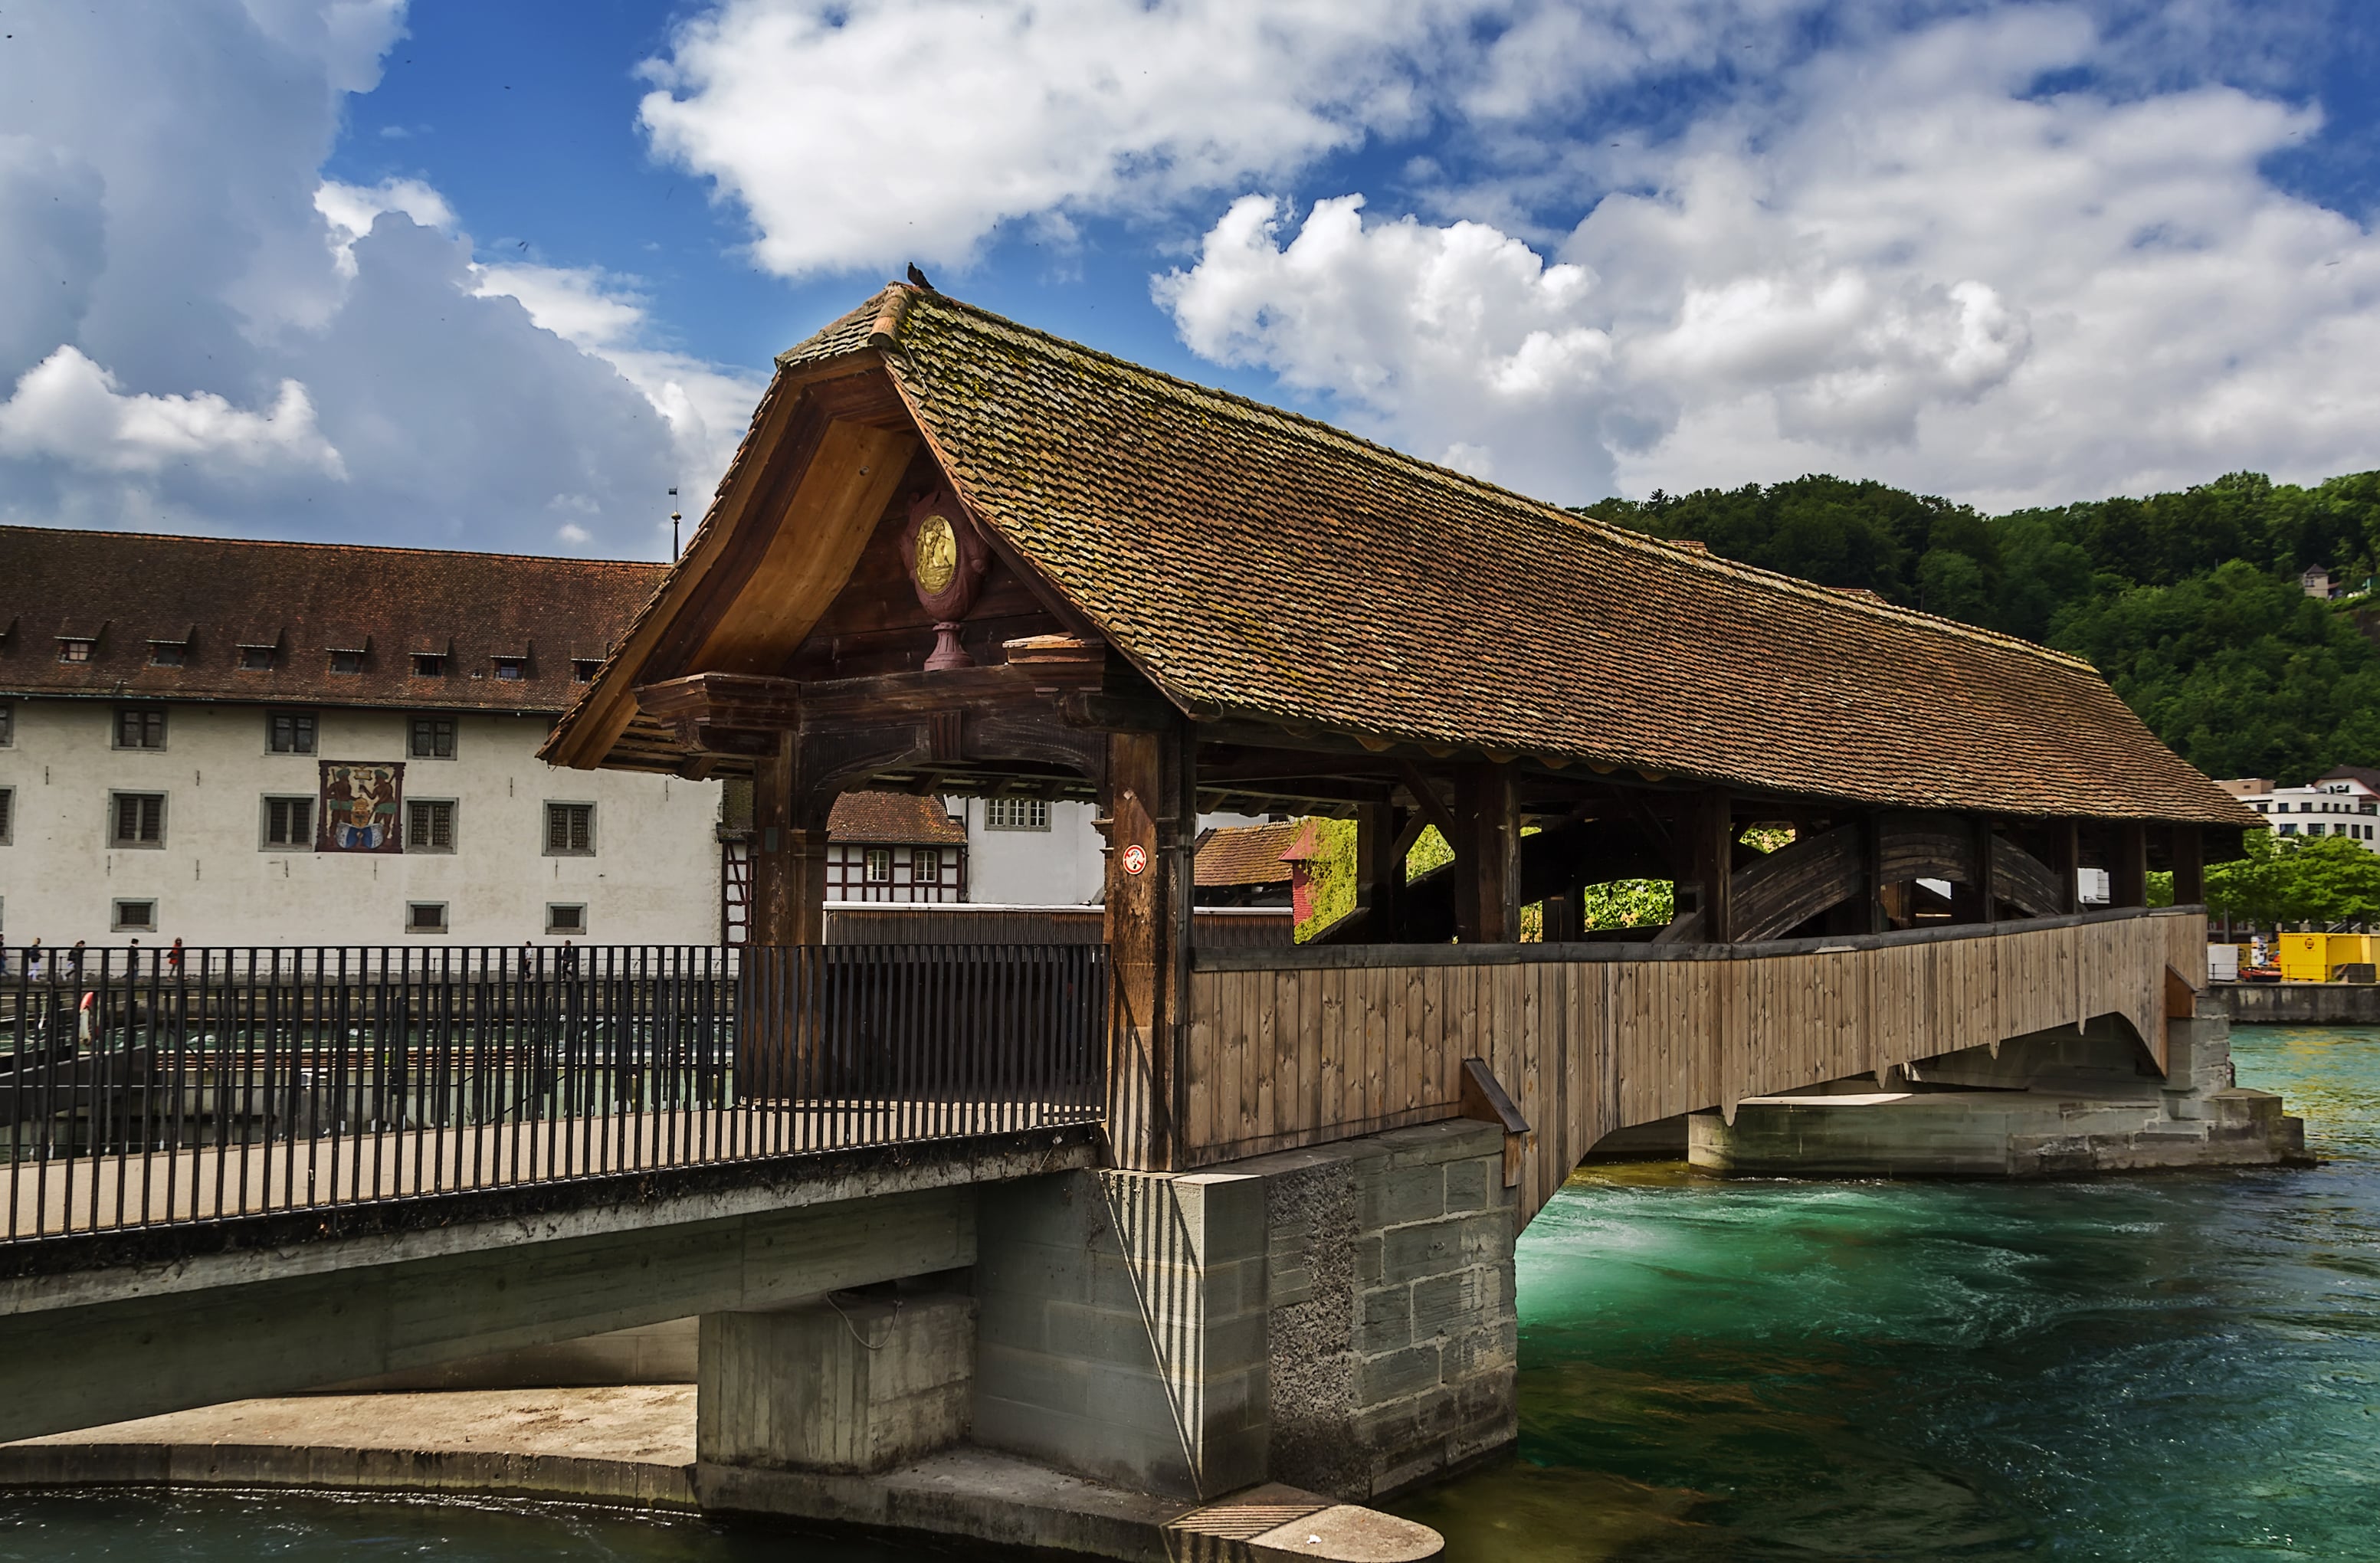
583	670
76	648
512	669
168	653
347	662
428	664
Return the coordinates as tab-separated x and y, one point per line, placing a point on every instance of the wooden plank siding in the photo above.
1290	1049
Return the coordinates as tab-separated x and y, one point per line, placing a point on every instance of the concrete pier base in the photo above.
2075	1100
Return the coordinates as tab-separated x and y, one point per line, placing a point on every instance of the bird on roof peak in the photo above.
917	278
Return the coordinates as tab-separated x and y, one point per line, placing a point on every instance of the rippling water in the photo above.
2179	1366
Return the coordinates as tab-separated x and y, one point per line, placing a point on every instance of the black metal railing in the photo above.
149	1088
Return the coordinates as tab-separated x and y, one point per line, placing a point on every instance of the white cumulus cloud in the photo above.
69	408
864	132
1914	265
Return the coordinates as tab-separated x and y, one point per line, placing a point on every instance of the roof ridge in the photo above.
6	528
1036	339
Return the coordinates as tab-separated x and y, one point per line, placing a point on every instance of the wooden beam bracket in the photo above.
1485	1098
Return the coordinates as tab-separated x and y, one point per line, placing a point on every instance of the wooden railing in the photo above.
1302	1046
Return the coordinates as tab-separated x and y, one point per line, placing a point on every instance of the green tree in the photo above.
2297	879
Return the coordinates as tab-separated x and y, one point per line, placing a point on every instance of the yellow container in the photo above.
2303	957
2347	950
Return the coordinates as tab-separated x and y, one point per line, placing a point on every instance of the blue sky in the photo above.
498	275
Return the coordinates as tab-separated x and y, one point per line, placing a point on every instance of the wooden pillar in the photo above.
1564	914
2189	866
1379	870
2065	860
1151	834
1711	836
788	854
1871	868
1973	902
1488	859
2128	865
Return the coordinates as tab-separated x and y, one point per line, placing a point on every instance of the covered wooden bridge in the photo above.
955	555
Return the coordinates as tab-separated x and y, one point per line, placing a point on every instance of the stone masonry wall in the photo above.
1393	1334
1121	1328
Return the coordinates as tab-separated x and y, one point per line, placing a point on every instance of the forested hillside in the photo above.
2188	602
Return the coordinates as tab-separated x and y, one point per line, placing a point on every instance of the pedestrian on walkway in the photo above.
173	958
73	961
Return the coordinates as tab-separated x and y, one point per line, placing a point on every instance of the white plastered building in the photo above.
168	706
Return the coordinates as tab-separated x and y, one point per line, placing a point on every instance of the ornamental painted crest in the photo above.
361	802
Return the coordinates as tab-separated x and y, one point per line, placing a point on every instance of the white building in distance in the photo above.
2344	803
254	743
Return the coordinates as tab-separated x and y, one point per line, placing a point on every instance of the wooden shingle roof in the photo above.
1258	565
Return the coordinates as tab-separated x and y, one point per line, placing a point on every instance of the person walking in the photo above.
73	961
33	959
173	959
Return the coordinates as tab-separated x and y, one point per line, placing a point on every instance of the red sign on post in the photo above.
1135	858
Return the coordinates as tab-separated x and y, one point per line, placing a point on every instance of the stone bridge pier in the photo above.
1305	1331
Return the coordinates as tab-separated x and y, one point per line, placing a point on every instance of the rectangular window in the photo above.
429	825
428	664
562	919
136	820
2314	829
140	727
135	916
926	865
72	649
512	669
7	815
289	732
879	865
288	824
168	653
8	724
2288	829
584	669
256	659
347	662
1016	814
569	830
431	737
425	916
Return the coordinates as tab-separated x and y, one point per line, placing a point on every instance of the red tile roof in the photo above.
893	818
216	595
1248	854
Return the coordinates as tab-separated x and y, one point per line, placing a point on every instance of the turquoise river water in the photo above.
2183	1367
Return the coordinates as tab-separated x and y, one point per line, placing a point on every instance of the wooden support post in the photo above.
1973	902
1379	871
1488	858
788	909
2128	865
1712	840
788	854
1564	915
1151	832
2189	866
1871	868
2065	860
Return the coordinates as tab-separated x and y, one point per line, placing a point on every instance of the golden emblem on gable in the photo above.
937	558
